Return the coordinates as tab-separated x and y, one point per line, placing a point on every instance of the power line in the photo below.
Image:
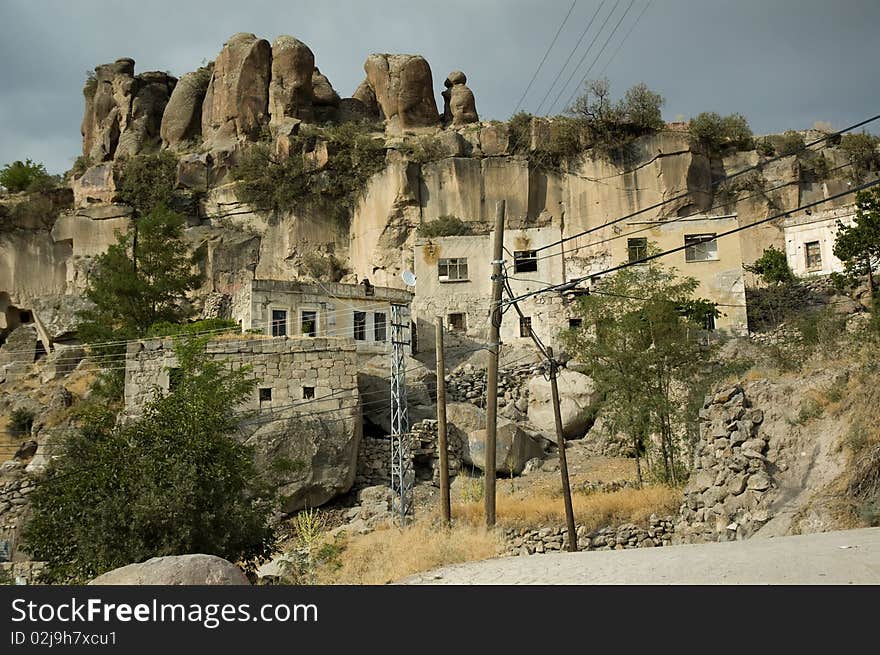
570	55
623	40
546	54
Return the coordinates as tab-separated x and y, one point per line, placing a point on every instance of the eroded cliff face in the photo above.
257	92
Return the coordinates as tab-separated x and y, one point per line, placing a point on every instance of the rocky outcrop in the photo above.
325	98
578	402
236	105
176	570
374	386
123	111
182	120
290	90
459	108
404	89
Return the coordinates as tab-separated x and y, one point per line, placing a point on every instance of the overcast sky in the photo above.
784	64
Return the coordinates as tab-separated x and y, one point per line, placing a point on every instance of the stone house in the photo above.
454	274
809	240
361	312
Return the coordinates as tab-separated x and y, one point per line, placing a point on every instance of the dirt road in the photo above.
846	557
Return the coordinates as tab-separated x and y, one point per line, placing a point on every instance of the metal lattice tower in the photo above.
402	473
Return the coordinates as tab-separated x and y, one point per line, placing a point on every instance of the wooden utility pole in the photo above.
445	508
563	462
492	373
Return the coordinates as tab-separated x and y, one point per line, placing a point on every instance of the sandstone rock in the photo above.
192	172
323	92
236	105
404	89
513	448
96	185
700	482
323	455
107	100
495	141
367	98
459	104
759	481
375	386
578	401
291	92
736	485
150	94
182	119
176	570
26	450
285	131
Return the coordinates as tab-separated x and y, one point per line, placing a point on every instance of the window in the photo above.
700	248
309	323
279	323
174	378
575	323
636	249
265	394
525	326
813	251
457	322
360	326
308	392
709	322
25	317
525	261
452	270
379	329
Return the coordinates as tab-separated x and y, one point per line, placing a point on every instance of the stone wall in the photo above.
15	489
468	385
726	497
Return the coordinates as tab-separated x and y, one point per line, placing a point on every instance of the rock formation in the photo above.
326	99
291	88
123	112
236	105
459	106
578	401
182	119
404	90
176	570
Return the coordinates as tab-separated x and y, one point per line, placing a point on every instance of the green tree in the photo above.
172	482
772	267
858	245
640	339
146	182
862	152
27	176
716	131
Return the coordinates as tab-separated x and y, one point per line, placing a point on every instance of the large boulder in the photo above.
182	120
321	453
459	108
150	94
108	102
236	105
325	98
374	386
404	89
513	446
578	402
290	90
176	570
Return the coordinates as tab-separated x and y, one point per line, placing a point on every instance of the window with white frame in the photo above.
453	269
700	248
525	261
278	324
813	253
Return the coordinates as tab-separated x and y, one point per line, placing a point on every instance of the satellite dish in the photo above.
409	278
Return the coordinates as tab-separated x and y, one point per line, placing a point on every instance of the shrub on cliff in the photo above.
716	131
172	482
27	176
443	226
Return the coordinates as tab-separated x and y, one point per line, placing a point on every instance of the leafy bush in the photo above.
772	267
80	165
520	126
174	481
789	143
444	226
216	325
37	210
765	148
269	183
862	152
716	131
21	421
425	149
27	176
147	181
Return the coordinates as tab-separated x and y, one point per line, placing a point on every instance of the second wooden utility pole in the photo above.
563	462
492	373
445	508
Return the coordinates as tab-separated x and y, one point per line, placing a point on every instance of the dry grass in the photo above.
390	554
592	510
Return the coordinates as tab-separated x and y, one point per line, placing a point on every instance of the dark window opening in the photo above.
709	322
525	261
575	323
414	339
452	269
279	322
174	378
457	322
24	316
813	253
700	248
380	332
525	326
309	324
265	394
308	392
636	249
360	326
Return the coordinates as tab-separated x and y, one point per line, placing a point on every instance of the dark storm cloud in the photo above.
784	64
